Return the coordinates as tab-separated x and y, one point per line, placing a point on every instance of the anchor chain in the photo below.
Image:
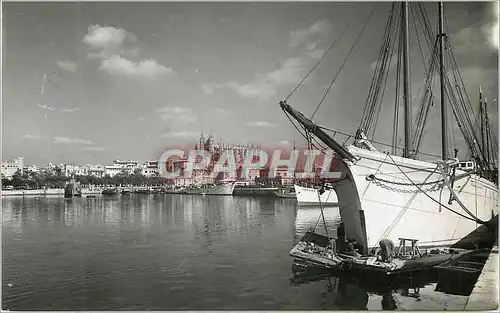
372	177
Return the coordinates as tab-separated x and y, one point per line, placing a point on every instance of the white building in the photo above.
74	170
150	169
126	167
30	169
96	170
9	168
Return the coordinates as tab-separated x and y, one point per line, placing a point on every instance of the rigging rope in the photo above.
379	71
374	141
345	60
398	218
438	202
320	60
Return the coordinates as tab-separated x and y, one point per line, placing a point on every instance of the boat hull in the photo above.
224	189
311	197
72	189
285	195
372	209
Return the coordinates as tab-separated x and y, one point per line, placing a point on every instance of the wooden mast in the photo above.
444	115
406	79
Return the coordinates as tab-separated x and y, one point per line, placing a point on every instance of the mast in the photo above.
481	119
444	115
487	130
406	78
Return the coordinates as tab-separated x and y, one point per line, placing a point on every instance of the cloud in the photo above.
284	142
290	70
46	107
142	119
299	36
29	136
259	89
117	65
177	114
209	88
110	46
92	148
220	111
180	134
106	37
264	86
261	124
76	141
70	110
67	65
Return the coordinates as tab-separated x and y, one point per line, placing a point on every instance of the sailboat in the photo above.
384	195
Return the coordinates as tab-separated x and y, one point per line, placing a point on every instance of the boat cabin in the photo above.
466	166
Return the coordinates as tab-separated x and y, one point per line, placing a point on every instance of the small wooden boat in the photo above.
110	191
459	276
315	250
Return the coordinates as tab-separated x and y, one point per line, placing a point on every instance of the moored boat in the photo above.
384	195
110	191
72	189
307	196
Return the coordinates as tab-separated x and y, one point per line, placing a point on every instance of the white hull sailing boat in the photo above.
387	196
313	197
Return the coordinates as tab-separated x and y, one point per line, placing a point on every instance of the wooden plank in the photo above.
484	296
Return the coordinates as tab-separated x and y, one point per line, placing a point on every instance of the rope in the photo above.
398	218
372	176
442	205
455	197
345	60
374	141
320	60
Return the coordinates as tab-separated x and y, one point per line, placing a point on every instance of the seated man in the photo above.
351	248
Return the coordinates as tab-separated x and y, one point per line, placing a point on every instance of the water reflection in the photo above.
415	291
310	218
169	252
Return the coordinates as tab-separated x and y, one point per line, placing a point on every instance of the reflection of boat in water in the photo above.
285	193
350	292
307	196
72	189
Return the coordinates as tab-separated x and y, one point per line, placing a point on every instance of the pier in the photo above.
484	296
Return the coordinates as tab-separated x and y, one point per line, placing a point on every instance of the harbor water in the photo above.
172	252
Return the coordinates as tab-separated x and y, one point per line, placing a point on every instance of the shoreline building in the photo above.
217	150
9	168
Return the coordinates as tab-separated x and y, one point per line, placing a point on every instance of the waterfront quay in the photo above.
484	296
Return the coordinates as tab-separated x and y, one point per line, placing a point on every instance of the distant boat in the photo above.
313	197
221	189
143	190
217	189
110	191
72	189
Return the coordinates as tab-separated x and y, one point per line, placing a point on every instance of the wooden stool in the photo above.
415	251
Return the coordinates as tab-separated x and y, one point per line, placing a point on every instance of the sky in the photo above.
129	80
